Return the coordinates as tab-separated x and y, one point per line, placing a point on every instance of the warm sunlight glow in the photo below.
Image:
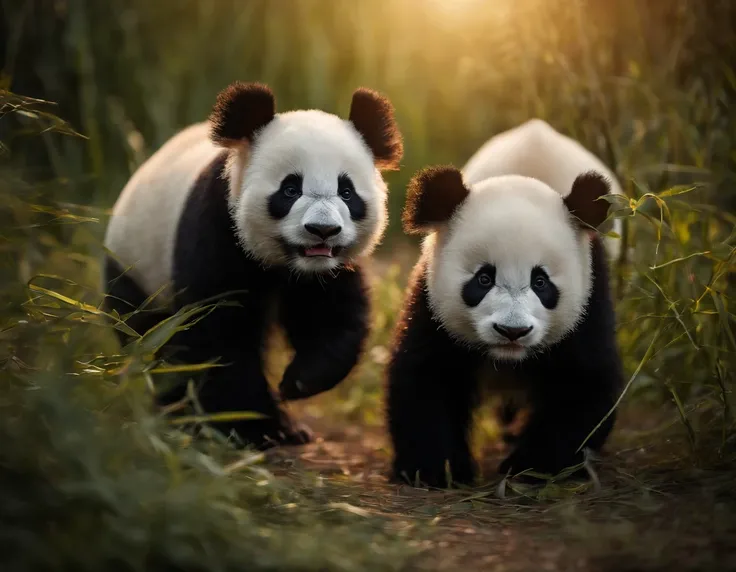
456	6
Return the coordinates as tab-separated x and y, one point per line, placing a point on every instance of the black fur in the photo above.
325	318
544	288
326	322
479	285
432	389
240	112
372	115
432	197
280	202
346	190
584	201
430	395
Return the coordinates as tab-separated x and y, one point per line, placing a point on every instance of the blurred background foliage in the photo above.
649	86
646	85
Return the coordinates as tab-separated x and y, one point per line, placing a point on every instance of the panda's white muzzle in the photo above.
505	320
322	231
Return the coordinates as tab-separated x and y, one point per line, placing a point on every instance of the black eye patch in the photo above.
280	202
544	288
479	285
346	191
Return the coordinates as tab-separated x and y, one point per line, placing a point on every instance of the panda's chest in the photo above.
503	380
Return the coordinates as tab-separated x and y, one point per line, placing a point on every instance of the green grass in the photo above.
92	477
86	488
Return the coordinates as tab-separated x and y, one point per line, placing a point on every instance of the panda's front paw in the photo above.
301	381
545	459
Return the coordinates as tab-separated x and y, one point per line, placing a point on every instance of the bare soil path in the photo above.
656	507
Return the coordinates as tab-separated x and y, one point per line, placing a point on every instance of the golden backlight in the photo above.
456	6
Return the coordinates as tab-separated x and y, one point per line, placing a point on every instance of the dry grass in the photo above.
654	508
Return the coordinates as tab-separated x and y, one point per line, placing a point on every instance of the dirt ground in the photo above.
657	508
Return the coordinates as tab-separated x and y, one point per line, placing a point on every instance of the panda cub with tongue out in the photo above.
273	212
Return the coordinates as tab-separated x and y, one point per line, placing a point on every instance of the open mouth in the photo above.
323	250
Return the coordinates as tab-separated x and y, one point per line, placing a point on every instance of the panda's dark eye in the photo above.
545	289
290	191
346	188
477	287
485	279
291	186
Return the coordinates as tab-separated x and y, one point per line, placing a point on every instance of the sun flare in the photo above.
455	6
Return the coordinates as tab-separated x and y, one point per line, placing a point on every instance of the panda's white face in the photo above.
309	195
509	272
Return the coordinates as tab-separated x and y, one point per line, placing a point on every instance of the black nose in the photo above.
512	334
324	231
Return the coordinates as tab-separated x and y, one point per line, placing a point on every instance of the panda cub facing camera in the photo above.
511	295
272	211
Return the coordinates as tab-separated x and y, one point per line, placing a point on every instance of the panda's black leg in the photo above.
431	390
240	386
234	337
558	425
429	424
326	320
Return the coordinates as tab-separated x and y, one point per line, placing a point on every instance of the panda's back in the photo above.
535	149
143	227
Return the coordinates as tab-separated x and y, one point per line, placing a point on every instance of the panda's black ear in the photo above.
432	197
584	202
240	111
373	117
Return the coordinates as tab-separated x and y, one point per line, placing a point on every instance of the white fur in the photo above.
514	223
320	146
536	149
142	230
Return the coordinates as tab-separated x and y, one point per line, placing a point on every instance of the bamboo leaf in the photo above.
216	417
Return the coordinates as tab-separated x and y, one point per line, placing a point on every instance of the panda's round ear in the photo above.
584	200
433	195
372	115
240	111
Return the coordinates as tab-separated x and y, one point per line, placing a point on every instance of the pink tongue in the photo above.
318	251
